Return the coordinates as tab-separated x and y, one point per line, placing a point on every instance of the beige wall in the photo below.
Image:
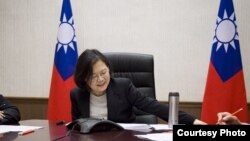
178	33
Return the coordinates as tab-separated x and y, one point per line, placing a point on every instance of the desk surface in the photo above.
51	131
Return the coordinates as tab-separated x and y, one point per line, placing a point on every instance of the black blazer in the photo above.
12	114
121	97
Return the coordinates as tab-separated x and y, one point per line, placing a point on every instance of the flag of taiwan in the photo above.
225	88
59	107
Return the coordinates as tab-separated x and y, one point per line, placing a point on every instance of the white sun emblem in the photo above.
225	32
66	34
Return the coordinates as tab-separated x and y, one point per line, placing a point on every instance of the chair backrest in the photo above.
139	68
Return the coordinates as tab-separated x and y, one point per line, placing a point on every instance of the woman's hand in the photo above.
1	115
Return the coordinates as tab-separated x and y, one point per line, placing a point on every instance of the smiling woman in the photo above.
101	74
99	95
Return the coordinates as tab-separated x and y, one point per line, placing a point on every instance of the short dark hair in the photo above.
84	66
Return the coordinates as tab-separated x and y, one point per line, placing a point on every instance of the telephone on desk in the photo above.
89	125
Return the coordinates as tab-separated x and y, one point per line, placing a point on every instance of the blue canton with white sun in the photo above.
226	56
66	49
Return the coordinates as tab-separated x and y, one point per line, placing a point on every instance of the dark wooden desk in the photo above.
51	131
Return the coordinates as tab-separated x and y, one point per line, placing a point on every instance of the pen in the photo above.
237	111
234	113
26	132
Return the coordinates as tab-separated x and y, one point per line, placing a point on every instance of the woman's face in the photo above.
100	78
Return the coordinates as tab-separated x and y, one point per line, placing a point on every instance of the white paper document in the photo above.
145	127
17	128
165	136
136	127
161	127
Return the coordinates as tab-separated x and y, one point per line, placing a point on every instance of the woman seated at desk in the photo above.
101	96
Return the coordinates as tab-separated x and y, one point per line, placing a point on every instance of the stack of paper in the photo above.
136	127
161	127
14	128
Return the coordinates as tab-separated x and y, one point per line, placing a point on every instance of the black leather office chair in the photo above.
140	69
